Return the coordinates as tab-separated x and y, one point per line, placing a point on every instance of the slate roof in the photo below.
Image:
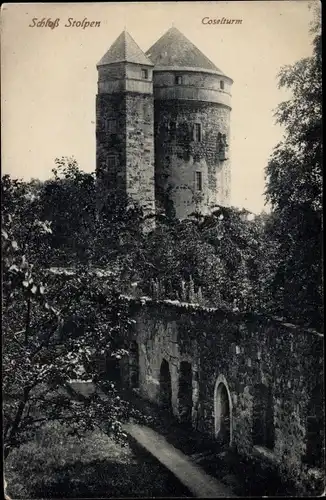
125	49
173	49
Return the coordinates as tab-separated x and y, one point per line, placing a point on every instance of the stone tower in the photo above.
125	123
192	127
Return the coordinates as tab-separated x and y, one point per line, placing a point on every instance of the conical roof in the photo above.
125	49
173	49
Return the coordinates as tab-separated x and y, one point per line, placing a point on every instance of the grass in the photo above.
56	465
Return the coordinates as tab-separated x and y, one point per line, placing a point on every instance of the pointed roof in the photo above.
125	49
173	49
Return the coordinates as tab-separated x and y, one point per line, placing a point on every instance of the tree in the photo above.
217	252
54	328
80	232
294	189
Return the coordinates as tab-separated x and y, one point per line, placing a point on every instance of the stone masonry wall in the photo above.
178	156
244	352
132	145
140	149
110	107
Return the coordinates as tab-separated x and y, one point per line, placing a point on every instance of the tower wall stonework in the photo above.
178	157
140	149
125	153
110	107
163	126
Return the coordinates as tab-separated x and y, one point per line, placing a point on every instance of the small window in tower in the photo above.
111	161
222	84
111	169
144	74
199	181
222	146
172	129
197	132
111	126
178	80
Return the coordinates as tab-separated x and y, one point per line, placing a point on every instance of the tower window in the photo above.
199	181
172	129
144	74
222	84
111	126
111	170
178	80
111	161
222	146
197	132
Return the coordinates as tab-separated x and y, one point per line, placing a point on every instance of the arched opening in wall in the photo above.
165	386
314	456
223	412
134	365
185	392
263	431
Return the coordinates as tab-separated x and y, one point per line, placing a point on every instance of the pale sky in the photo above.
49	77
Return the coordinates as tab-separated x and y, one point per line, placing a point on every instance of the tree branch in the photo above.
28	319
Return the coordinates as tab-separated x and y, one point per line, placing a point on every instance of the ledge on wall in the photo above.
244	315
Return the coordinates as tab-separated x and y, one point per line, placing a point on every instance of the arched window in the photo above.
185	392
197	135
165	386
223	411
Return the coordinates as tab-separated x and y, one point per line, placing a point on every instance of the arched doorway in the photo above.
223	412
263	433
185	392
165	386
113	370
314	455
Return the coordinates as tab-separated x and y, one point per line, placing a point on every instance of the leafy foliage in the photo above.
81	233
55	326
294	189
218	253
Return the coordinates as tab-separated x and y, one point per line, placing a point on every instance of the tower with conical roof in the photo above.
191	127
172	103
125	123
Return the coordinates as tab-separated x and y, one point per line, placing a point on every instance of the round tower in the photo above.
192	105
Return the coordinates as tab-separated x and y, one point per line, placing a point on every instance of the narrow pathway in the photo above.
191	475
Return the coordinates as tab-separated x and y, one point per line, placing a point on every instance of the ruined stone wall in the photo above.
178	157
244	353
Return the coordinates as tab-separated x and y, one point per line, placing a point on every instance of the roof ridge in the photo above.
125	49
173	48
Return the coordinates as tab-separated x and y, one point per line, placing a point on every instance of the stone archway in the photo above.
223	411
165	386
185	392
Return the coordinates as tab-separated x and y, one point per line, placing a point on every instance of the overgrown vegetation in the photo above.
294	189
58	465
57	322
